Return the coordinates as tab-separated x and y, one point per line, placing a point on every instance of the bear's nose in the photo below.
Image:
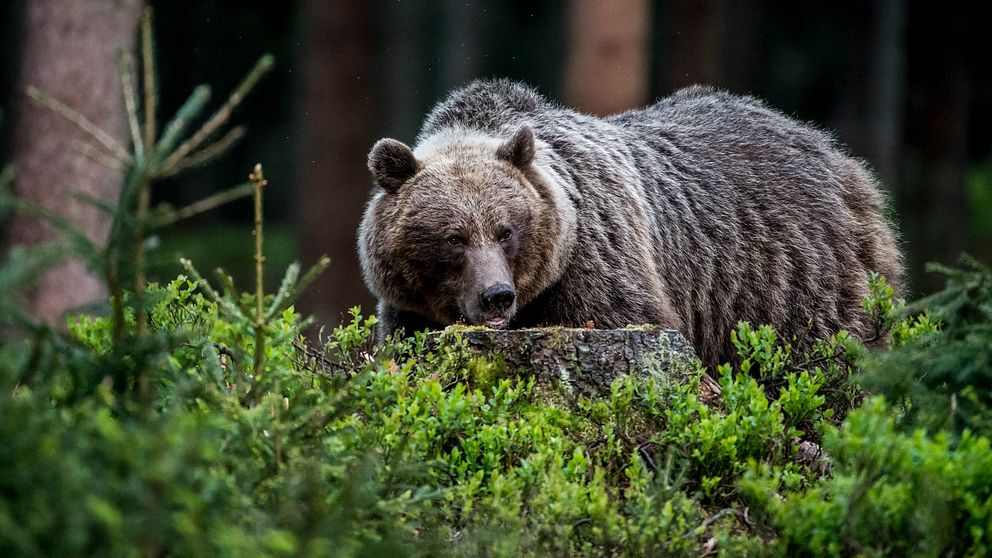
497	298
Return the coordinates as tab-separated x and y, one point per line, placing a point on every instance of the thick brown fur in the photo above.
694	213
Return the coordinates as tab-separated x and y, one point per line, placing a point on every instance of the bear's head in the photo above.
467	228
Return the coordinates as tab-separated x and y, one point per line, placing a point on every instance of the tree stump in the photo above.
582	360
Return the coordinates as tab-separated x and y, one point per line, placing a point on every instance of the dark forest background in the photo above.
905	84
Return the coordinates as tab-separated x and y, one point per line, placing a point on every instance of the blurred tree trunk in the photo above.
698	42
869	115
335	115
743	58
933	205
402	56
886	89
464	30
69	52
607	69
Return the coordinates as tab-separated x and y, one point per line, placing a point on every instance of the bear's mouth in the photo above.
494	320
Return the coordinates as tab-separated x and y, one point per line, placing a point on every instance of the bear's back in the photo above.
485	105
732	210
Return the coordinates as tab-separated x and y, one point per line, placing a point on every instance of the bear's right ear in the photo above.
518	150
392	163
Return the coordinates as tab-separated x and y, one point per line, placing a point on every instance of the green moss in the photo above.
641	327
485	372
464	328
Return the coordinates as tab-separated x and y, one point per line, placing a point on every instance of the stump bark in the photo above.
583	360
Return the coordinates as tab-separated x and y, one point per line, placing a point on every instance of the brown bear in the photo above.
698	211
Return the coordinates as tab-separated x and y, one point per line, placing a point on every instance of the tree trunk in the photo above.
607	69
70	52
335	117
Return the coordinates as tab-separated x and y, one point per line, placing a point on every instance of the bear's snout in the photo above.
488	295
497	298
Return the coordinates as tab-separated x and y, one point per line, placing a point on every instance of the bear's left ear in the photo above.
392	163
518	150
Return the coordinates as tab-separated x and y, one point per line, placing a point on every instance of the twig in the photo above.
258	179
141	224
321	362
642	450
81	122
804	366
711	520
811	455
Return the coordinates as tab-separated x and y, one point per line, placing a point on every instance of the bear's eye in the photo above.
506	235
454	240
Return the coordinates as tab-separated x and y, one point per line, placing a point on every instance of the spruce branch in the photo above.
7	175
299	286
222	302
262	67
21	267
205	155
148	66
125	67
89	200
166	217
227	286
286	288
80	243
94	154
81	122
190	110
23	264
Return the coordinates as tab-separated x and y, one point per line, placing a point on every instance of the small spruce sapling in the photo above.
152	157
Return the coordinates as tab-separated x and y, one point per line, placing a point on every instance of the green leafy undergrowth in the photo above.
943	379
194	471
911	469
416	447
890	493
408	448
